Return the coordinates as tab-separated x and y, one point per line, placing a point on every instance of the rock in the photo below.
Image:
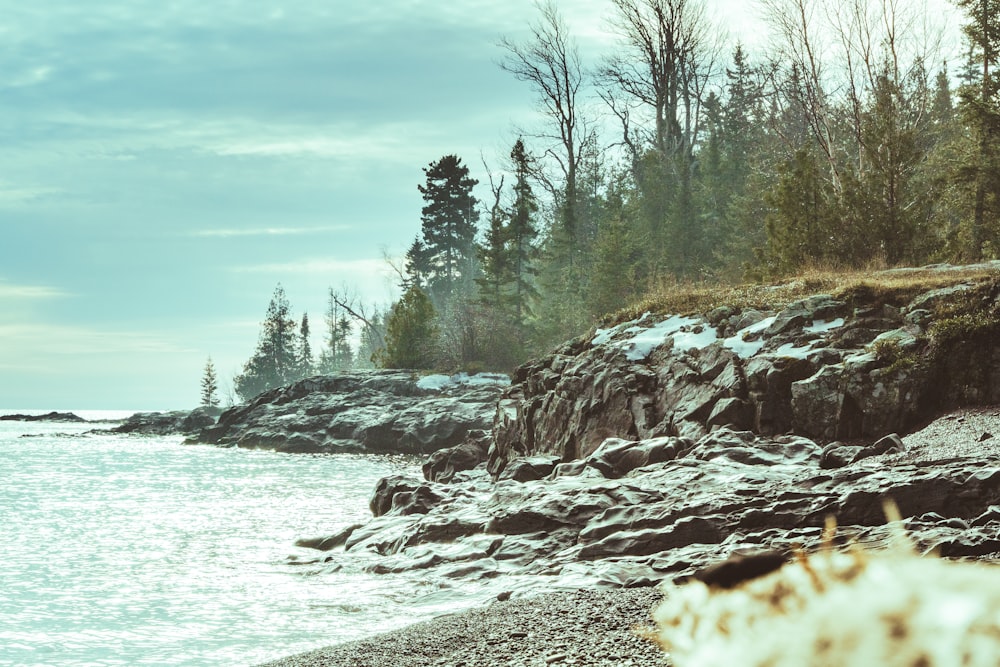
386	489
362	411
47	417
657	447
442	465
838	455
889	443
529	469
168	423
730	492
329	542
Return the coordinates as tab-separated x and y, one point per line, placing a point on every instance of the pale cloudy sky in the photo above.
166	164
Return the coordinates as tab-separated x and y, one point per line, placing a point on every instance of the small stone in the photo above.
503	596
518	635
557	657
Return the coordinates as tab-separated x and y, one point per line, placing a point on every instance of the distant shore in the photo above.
586	627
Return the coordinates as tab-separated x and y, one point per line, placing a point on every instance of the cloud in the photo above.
53	348
29	292
356	267
267	231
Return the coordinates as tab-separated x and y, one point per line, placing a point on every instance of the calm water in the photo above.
120	550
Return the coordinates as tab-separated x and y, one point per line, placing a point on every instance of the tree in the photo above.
550	62
337	354
980	107
410	334
494	256
305	364
209	386
417	265
520	234
448	225
667	60
275	361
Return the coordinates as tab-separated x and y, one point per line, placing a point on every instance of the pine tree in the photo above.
209	386
306	365
980	107
274	362
417	266
410	334
448	226
521	234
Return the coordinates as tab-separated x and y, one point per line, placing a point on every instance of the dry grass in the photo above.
892	286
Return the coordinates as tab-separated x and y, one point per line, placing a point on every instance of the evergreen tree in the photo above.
803	217
410	334
417	266
521	233
494	260
306	365
980	107
209	386
448	227
274	363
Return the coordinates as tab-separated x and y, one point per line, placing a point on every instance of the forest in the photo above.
849	142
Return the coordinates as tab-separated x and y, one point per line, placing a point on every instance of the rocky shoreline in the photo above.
598	626
652	449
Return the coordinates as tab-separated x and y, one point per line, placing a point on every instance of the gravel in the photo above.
596	628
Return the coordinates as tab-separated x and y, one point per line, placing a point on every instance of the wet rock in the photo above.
179	422
529	468
362	411
442	465
329	542
838	455
729	492
889	443
47	417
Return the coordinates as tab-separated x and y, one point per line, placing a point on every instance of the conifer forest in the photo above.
859	136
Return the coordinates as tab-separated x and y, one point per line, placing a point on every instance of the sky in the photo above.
166	165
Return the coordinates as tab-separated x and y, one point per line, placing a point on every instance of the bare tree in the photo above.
661	75
668	58
798	45
550	62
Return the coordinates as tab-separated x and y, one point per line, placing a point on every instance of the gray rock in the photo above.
889	443
359	411
179	422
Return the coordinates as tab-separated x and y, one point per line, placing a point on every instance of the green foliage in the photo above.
276	361
411	334
209	386
892	355
448	228
305	365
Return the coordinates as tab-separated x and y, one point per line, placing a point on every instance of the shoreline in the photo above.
589	627
583	627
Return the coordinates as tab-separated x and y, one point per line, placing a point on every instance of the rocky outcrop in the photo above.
179	422
657	447
47	417
858	365
636	512
365	411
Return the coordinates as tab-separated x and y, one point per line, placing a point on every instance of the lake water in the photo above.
125	550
